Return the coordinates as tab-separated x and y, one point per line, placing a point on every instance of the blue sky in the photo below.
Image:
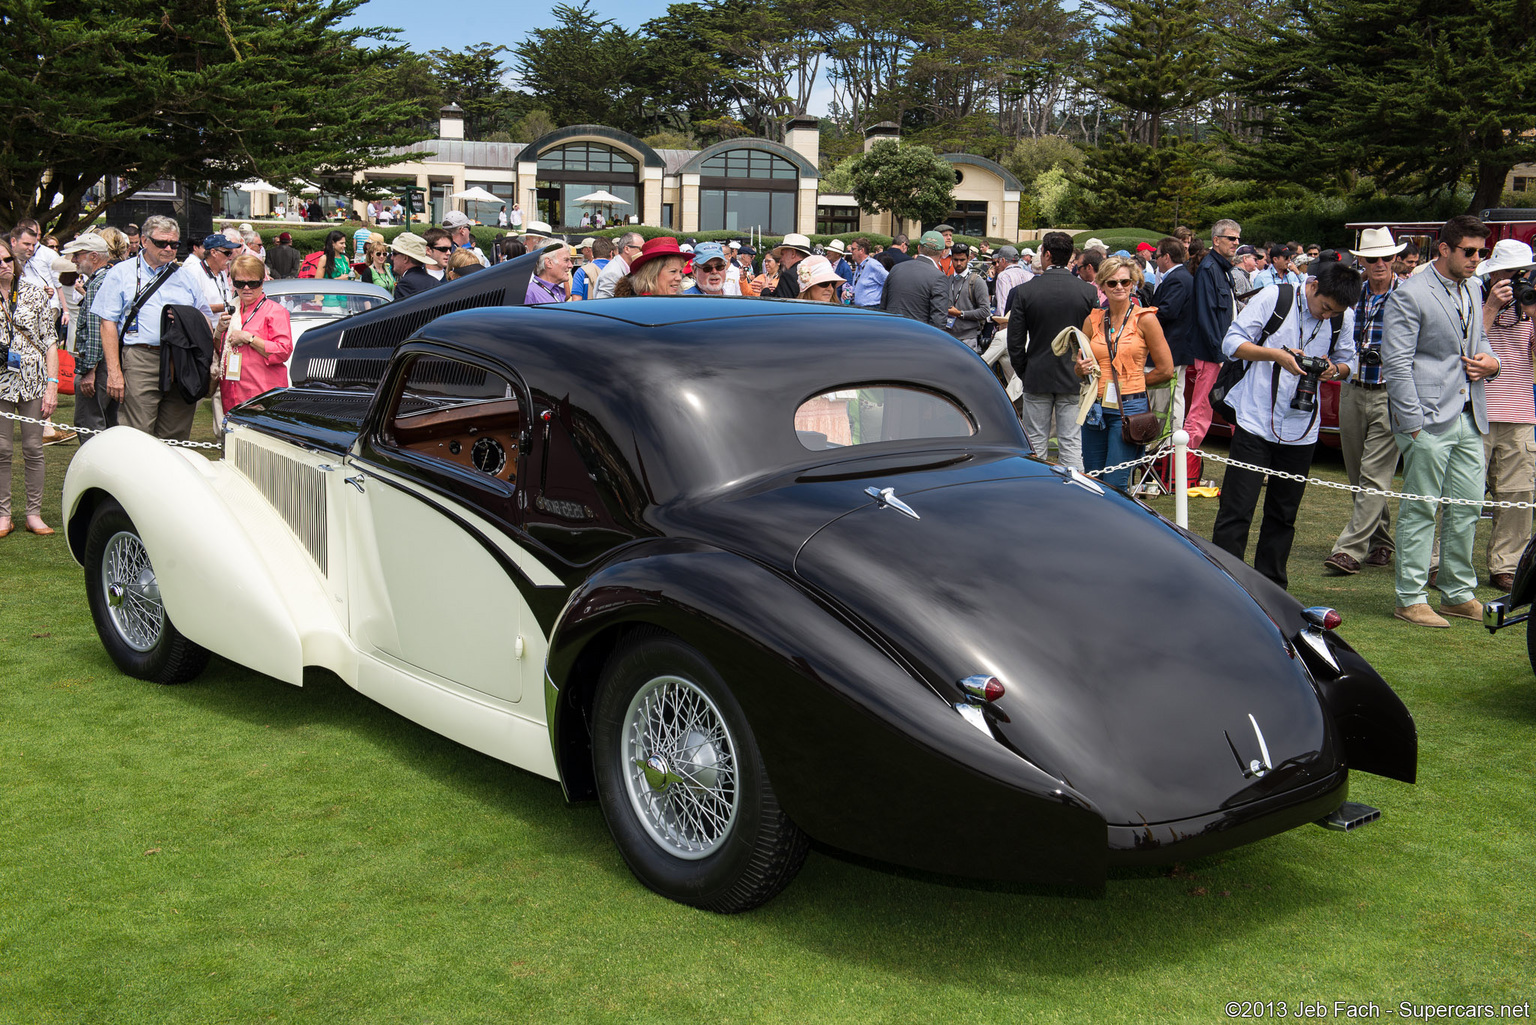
424	27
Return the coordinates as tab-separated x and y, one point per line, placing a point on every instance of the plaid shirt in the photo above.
1368	318
88	344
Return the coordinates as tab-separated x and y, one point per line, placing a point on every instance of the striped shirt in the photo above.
1369	312
1508	393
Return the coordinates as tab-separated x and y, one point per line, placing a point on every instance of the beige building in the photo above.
741	185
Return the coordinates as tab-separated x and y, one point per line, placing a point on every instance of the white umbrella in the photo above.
259	186
601	198
477	195
310	190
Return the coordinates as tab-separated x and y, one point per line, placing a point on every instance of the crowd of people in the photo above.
1434	356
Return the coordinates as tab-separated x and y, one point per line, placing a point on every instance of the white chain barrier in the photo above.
88	430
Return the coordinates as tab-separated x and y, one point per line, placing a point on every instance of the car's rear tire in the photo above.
124	596
682	783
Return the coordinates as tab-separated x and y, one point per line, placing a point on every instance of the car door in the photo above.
438	576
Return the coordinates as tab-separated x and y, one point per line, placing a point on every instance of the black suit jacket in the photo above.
1175	312
917	289
1037	311
414	280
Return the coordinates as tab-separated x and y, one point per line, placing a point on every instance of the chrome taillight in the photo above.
982	687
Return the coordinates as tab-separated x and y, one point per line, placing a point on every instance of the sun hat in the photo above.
816	270
707	251
663	245
1378	242
540	228
837	246
64	266
410	244
375	236
456	219
90	242
931	239
794	241
1508	254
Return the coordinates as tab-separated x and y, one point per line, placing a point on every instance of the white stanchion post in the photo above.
1181	478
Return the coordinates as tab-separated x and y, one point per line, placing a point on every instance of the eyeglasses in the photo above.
1471	251
713	267
164	243
1118	283
1229	238
247	284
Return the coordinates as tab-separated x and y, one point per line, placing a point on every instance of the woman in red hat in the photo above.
658	270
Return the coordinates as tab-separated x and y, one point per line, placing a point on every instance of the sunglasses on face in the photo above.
713	268
1375	259
247	284
7	259
1118	283
1471	251
442	249
1229	238
164	243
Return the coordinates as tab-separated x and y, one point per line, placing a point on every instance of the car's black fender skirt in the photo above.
863	755
1524	590
1374	726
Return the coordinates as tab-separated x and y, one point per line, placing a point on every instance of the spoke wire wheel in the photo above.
680	767
133	595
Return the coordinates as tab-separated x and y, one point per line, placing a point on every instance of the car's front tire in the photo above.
124	596
682	784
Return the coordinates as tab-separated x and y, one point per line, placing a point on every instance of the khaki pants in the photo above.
31	454
1370	459
145	408
1511	452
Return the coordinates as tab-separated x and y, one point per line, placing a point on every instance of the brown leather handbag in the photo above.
1135	428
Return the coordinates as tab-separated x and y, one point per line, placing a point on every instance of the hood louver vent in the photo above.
296	490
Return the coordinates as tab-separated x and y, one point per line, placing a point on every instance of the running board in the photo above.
1349	816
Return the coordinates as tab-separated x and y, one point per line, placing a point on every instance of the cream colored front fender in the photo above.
215	585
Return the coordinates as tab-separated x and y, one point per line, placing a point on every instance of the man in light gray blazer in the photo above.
1436	360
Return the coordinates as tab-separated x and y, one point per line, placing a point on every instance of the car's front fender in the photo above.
215	586
863	755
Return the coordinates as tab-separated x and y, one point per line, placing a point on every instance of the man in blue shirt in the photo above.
1270	431
1279	269
130	346
867	281
595	253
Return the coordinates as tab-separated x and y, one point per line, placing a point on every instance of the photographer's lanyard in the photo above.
1462	300
1274	397
10	321
224	297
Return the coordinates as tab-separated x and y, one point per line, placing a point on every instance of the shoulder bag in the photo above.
1135	428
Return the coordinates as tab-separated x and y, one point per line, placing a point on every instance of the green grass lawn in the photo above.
239	850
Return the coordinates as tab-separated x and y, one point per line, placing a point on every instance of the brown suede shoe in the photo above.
1380	556
1469	609
1502	581
1420	614
1340	565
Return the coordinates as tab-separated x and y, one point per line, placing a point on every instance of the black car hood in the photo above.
1136	670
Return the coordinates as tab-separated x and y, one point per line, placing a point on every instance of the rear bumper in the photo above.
1180	840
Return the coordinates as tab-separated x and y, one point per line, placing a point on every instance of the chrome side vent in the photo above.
322	369
296	490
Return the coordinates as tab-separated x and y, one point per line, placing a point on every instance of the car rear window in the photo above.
880	412
326	304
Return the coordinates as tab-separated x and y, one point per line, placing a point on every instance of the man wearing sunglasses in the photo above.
1436	358
130	339
1365	429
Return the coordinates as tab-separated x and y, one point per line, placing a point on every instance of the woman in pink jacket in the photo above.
260	337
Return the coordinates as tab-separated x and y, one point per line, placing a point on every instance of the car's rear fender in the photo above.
215	586
862	755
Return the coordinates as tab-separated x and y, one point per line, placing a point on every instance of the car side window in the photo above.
863	415
459	413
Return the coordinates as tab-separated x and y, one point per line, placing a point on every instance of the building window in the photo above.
968	218
666	215
748	163
587	156
837	220
739	209
1521	184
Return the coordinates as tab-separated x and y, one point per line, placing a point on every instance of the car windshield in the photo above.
866	414
326	304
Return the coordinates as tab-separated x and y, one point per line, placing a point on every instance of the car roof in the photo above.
702	391
334	286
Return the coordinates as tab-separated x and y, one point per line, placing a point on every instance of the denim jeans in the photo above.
1104	446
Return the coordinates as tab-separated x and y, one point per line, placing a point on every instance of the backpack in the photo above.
1233	370
309	267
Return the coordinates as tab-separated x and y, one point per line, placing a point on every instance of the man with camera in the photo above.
1436	358
1510	441
1365	431
1294	338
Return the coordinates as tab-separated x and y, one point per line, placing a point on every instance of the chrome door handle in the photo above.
356	482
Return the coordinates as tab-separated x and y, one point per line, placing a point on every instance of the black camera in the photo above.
1312	368
1525	292
1370	357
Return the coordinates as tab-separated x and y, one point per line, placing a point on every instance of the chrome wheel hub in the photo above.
133	595
680	761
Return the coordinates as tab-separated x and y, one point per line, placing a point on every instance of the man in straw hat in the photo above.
794	248
411	260
1510	441
1436	358
1365	430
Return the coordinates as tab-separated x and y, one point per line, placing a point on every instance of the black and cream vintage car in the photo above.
749	573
